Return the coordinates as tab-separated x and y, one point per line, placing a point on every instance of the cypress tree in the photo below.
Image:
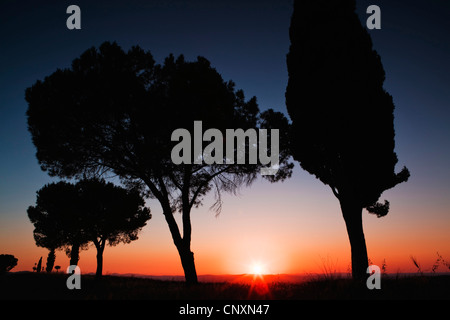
342	117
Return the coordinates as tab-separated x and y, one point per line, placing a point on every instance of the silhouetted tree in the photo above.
342	118
50	260
116	111
7	263
99	212
39	265
57	268
110	214
73	251
56	219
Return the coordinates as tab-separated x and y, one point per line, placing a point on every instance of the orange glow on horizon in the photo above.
250	236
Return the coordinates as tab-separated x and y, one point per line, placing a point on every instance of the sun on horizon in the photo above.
257	268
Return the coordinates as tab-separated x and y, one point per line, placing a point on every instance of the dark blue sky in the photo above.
247	41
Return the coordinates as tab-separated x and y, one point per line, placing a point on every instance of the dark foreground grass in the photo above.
42	286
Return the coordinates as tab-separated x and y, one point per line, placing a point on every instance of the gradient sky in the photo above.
290	227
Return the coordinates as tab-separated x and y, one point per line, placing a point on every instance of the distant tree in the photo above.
39	265
57	268
7	263
50	260
115	111
73	215
110	214
56	219
342	118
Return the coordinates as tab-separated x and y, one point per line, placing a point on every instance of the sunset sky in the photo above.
290	227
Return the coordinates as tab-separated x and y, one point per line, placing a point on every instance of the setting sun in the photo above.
257	268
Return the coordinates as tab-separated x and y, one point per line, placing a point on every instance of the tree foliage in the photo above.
343	120
56	219
7	263
115	111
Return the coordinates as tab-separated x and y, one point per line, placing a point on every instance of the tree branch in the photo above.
204	184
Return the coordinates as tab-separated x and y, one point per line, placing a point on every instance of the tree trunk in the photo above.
183	245
100	248
186	255
187	261
353	220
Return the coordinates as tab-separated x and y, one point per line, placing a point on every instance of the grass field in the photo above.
42	286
